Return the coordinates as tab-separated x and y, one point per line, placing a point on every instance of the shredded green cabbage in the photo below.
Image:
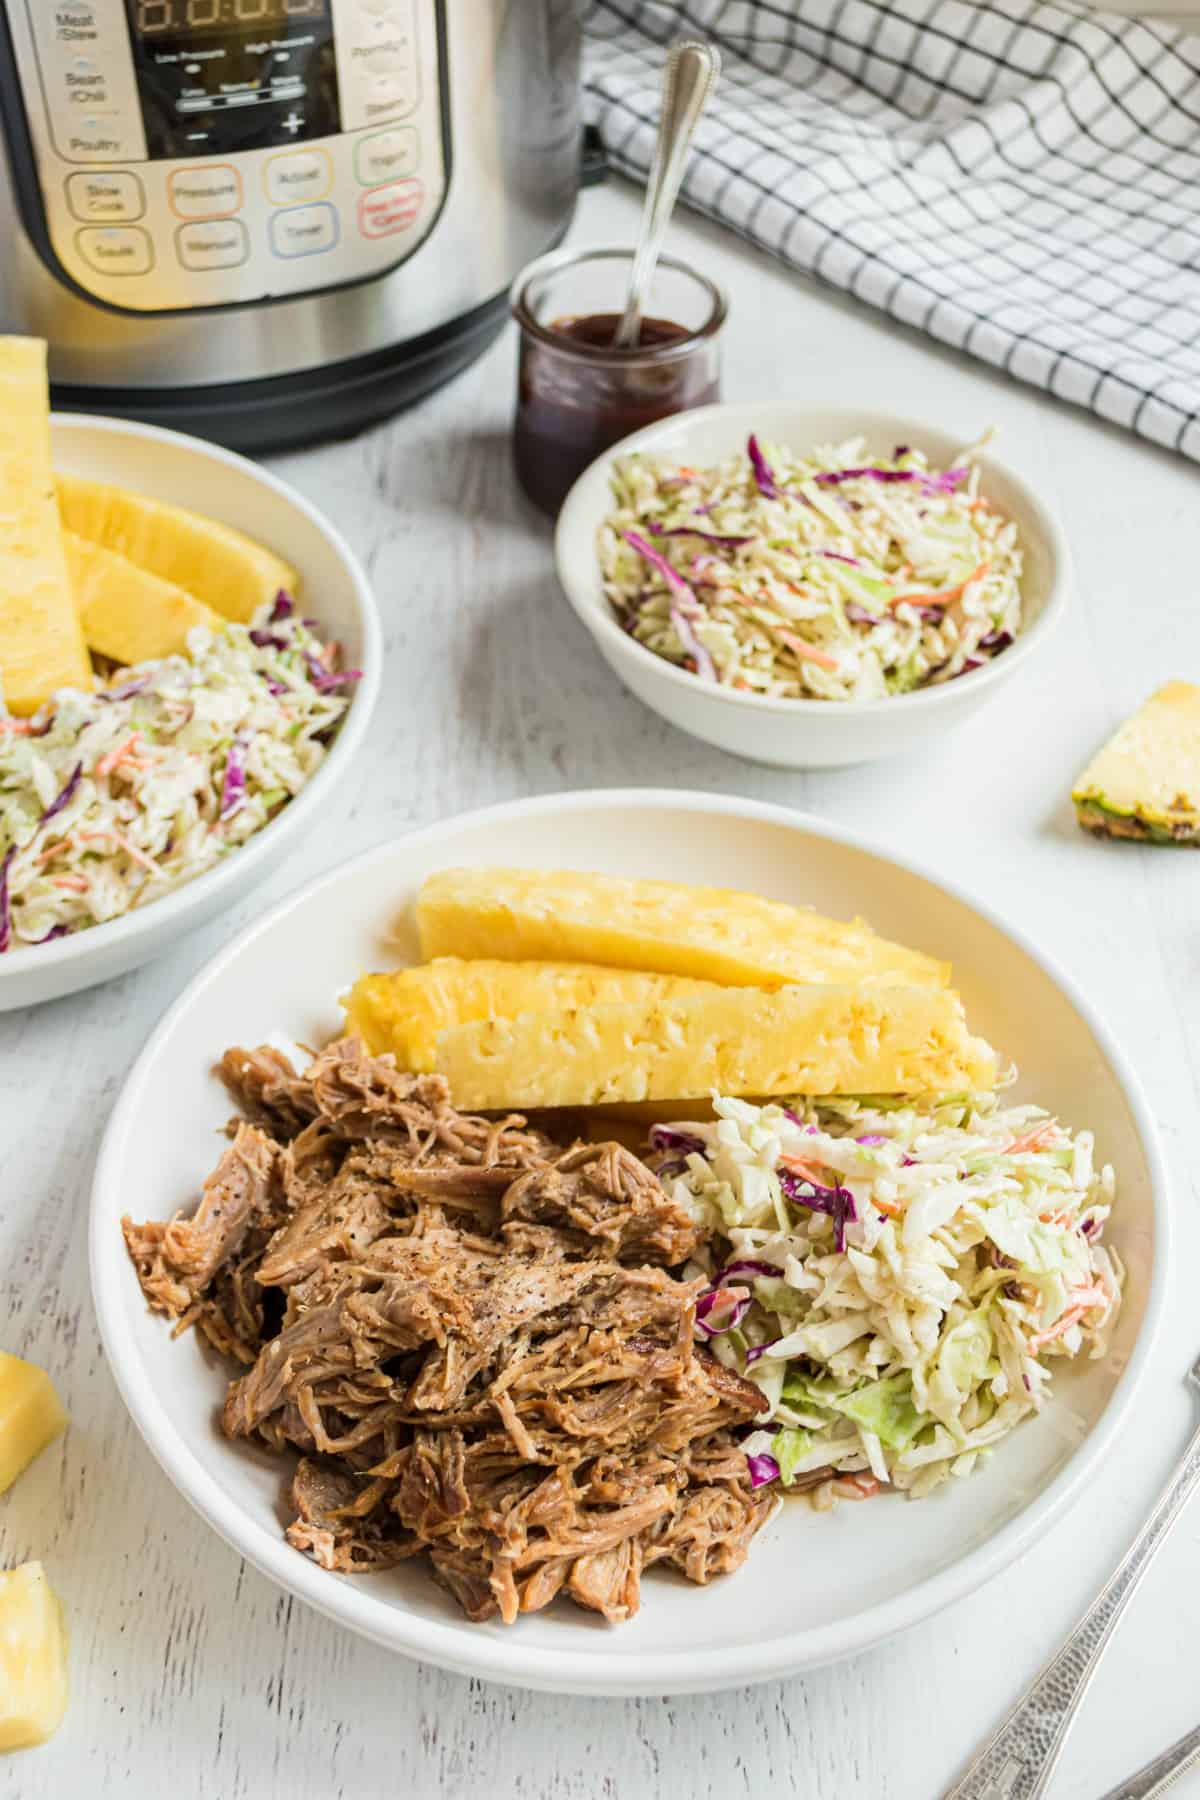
832	581
972	1263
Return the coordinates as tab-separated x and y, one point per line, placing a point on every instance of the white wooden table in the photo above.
191	1675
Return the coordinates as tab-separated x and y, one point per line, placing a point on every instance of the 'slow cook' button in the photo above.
304	230
386	156
116	249
298	175
388	209
213	244
118	195
210	192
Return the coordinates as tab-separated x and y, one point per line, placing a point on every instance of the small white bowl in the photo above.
210	480
803	734
817	1586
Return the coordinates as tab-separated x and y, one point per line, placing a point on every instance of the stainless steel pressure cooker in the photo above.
270	220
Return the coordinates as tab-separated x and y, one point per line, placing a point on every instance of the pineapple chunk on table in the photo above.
31	1416
33	1658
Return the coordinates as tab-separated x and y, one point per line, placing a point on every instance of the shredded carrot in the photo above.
867	1485
1083	1299
891	1209
108	763
123	843
1038	1137
18	727
945	597
74	884
807	654
52	850
796	1165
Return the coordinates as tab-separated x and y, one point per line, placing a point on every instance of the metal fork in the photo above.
1019	1758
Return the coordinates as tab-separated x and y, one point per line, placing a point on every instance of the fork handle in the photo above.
1157	1776
1018	1760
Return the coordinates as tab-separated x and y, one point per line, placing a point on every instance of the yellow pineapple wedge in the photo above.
127	613
815	1039
217	565
31	1416
33	1658
41	644
404	1011
663	927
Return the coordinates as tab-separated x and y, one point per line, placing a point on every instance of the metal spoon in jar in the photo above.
688	80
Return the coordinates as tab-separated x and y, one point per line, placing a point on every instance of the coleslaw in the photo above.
112	798
899	1279
830	576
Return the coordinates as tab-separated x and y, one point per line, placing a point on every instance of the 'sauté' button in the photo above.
116	249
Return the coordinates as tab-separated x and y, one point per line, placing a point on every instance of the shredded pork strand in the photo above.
468	1331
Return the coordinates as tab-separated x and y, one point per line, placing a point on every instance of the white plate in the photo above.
210	480
804	734
815	1587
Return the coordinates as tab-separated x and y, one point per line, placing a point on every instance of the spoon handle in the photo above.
691	72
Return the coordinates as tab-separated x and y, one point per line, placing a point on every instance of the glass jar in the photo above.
576	393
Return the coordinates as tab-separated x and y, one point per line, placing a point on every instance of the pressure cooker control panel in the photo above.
199	153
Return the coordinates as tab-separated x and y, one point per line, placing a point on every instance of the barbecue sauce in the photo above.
575	403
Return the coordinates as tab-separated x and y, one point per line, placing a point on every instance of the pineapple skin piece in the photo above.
404	1011
128	614
41	643
660	927
816	1039
31	1416
220	567
33	1658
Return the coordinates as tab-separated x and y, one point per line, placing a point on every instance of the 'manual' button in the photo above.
116	249
304	230
213	244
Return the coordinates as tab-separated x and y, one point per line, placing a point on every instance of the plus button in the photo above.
292	123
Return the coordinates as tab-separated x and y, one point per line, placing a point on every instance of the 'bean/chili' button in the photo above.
389	209
304	230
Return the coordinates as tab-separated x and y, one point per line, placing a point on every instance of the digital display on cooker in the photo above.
152	16
218	76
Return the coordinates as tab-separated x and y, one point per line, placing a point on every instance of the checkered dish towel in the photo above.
1021	181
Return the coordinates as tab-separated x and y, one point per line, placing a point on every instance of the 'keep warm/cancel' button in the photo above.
304	230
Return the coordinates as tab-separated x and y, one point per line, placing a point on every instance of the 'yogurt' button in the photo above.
386	155
304	230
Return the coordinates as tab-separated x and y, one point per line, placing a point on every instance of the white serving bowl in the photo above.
816	1586
803	734
207	479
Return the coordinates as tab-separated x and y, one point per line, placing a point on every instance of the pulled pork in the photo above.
468	1331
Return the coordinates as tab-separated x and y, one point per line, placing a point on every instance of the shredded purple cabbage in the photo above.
323	679
858	615
871	1137
706	668
763	1468
666	1137
657	560
768	487
233	788
836	1202
737	1313
836	556
283	608
945	482
55	931
710	537
757	1350
996	640
128	691
746	1266
273	686
5	906
269	640
65	796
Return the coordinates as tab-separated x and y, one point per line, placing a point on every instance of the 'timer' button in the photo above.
212	244
116	249
304	230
